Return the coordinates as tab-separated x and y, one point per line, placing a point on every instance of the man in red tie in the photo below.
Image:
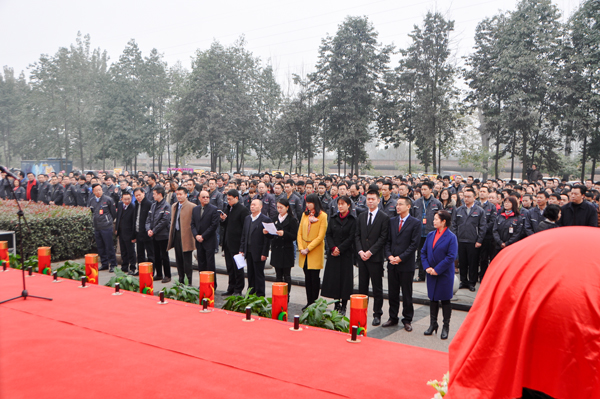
403	240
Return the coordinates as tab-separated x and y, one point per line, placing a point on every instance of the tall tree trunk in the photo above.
512	158
339	160
242	164
81	148
497	158
485	143
583	158
260	157
237	155
323	172
409	157
525	160
168	145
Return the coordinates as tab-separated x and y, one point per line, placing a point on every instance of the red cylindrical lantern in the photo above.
4	251
358	313
91	268
44	261
207	287
146	278
280	301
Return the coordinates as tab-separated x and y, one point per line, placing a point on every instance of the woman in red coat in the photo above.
438	256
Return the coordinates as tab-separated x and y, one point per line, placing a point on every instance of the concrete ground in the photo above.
461	302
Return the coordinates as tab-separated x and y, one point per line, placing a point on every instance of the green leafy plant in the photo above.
125	281
15	262
261	306
183	292
67	229
318	315
71	270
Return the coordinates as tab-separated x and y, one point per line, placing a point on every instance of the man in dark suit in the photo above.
145	248
55	192
371	237
403	240
232	221
205	222
125	230
255	247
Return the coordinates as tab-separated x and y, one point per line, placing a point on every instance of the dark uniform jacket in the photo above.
426	210
269	208
469	227
507	230
159	220
56	194
43	192
103	212
206	226
144	209
388	207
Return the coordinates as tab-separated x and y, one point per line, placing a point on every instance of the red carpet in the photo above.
87	343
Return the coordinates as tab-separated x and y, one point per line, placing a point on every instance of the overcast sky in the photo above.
285	33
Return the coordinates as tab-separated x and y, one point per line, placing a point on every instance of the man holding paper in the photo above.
232	221
255	247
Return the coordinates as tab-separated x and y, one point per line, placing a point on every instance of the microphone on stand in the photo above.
8	172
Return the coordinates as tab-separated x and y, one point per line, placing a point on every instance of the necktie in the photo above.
370	219
177	220
201	212
400	226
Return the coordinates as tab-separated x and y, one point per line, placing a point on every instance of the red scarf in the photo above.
30	185
344	216
438	234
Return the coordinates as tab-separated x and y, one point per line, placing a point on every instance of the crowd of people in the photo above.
426	228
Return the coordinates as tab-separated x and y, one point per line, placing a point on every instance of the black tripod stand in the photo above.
21	215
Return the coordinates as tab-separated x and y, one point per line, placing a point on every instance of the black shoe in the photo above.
472	288
343	311
157	278
390	323
432	328
463	286
408	327
125	270
376	321
136	273
445	331
227	293
111	269
103	268
304	308
131	272
166	280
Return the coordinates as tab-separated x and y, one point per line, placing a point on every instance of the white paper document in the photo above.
270	227
240	261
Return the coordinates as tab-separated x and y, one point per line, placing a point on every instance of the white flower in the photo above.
437	396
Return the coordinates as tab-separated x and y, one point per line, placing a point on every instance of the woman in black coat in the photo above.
282	245
507	229
338	280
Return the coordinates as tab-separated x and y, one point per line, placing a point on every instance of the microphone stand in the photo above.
21	215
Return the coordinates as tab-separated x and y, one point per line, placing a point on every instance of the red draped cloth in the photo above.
535	322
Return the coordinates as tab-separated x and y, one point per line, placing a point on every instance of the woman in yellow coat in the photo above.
311	243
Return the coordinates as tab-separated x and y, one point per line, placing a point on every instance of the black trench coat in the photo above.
338	280
282	248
